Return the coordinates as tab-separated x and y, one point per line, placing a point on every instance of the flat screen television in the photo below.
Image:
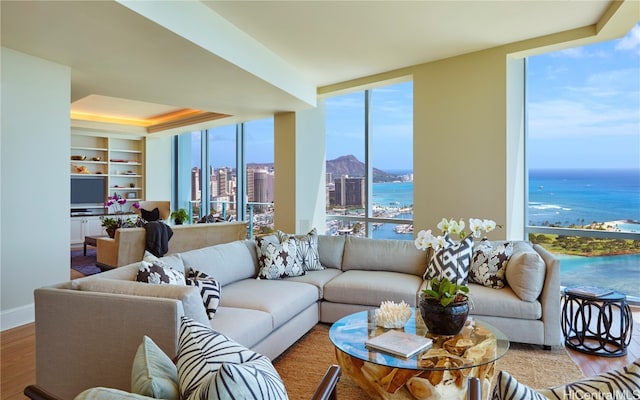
88	189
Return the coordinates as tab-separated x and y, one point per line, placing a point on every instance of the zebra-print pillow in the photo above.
212	366
209	290
507	387
623	383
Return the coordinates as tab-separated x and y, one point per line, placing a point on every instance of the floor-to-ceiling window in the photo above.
369	154
237	183
583	160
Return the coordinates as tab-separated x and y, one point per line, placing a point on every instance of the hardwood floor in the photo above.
18	358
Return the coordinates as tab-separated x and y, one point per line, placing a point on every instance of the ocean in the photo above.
562	197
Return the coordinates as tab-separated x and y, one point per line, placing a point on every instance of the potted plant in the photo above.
179	216
110	224
444	304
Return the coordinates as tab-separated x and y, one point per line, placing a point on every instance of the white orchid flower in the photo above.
423	240
444	225
476	226
456	227
439	242
488	225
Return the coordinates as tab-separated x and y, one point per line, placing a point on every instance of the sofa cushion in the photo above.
159	273
452	261
317	278
209	290
489	263
370	288
255	324
306	249
153	373
228	262
502	303
282	299
525	271
210	365
330	251
277	258
189	296
383	255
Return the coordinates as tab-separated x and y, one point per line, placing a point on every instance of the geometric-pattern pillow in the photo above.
623	383
489	263
306	249
209	290
159	273
277	259
507	387
208	367
153	373
451	262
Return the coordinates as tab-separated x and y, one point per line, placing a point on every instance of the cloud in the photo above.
631	41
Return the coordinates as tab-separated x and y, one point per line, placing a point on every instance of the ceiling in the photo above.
144	64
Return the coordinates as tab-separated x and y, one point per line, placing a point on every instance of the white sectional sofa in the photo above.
88	330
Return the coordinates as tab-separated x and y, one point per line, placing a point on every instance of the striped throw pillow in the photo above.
209	290
212	366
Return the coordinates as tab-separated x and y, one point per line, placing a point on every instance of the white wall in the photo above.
34	170
300	200
158	168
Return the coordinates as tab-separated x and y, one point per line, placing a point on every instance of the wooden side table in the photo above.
599	326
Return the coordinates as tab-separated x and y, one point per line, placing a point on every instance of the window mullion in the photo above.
368	162
241	171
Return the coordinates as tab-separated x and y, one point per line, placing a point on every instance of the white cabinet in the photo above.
85	226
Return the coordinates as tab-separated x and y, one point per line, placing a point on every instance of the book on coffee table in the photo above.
399	343
590	291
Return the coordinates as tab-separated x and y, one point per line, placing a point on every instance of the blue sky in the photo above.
583	109
584	106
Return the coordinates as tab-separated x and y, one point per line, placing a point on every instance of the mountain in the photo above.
350	165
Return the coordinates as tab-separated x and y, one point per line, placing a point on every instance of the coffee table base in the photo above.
396	383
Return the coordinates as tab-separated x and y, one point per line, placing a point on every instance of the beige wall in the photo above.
34	196
460	155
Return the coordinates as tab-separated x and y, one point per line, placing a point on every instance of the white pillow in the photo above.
153	373
212	366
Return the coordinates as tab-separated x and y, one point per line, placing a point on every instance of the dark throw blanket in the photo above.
158	235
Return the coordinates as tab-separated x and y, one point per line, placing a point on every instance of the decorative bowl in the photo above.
78	158
96	158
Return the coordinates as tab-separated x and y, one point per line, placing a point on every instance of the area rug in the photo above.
304	364
84	264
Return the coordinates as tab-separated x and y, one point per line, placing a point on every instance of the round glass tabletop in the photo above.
477	344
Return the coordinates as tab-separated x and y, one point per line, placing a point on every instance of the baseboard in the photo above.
17	316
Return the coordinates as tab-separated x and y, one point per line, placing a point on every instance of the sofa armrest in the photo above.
550	297
93	337
107	252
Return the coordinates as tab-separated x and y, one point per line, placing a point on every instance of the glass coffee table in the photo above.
440	372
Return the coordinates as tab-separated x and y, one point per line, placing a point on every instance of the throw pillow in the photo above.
210	365
306	249
153	215
153	373
525	272
507	387
209	290
489	263
103	393
277	259
159	273
452	261
623	383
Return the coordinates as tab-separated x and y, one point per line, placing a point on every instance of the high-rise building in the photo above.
196	189
349	191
